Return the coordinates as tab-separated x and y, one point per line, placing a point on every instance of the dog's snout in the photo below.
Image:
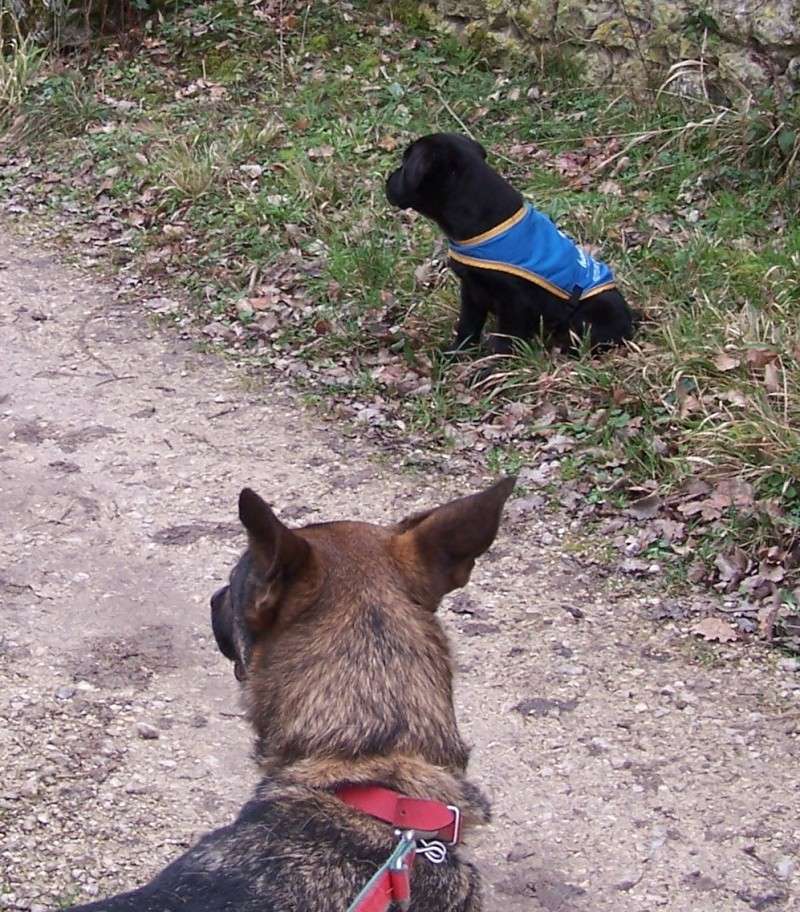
392	187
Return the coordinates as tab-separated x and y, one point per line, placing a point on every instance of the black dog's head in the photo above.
432	172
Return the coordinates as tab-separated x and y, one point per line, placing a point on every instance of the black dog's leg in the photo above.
471	319
501	343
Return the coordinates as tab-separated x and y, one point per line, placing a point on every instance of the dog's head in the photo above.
432	172
332	628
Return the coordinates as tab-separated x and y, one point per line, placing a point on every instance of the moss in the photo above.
615	33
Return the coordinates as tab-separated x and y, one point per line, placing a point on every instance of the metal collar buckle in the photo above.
456	824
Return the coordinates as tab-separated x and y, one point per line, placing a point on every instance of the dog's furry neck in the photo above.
410	776
466	214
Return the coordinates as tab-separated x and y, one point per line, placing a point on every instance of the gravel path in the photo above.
630	770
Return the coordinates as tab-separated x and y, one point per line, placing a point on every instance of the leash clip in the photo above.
400	871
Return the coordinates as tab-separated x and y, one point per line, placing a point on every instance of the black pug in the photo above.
511	259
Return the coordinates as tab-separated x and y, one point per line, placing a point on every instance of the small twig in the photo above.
227	411
461	123
281	51
303	33
637	140
115	379
450	111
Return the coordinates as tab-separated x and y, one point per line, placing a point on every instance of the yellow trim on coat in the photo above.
512	220
527	274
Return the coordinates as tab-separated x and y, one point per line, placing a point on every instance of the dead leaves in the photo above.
645	507
202	89
726	493
726	362
762	365
321	152
715	629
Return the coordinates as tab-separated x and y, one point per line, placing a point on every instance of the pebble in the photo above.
572	670
65	693
147	732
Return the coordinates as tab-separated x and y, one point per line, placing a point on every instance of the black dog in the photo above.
511	259
347	678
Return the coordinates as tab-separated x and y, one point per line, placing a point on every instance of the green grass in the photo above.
247	157
19	70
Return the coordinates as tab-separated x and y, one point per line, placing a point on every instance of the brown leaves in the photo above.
714	629
772	377
759	358
200	88
727	493
726	362
321	152
645	507
732	566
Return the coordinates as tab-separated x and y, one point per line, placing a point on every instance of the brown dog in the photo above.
348	683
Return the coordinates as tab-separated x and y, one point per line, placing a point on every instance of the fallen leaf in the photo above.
772	572
635	566
422	274
688	405
771	377
645	507
609	188
712	628
732	566
321	152
759	357
669	530
733	492
725	362
766	621
735	397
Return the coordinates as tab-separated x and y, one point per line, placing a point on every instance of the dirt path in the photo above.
626	773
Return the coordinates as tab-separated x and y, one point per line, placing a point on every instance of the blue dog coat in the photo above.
530	246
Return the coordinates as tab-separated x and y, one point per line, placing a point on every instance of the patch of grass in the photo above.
61	105
19	69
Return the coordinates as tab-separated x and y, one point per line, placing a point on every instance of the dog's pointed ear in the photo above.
279	551
443	543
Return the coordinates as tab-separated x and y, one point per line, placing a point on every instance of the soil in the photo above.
630	769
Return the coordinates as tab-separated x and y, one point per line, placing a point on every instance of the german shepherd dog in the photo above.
347	680
511	259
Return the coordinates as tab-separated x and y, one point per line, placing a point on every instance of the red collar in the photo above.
428	819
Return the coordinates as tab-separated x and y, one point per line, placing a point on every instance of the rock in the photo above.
147	732
65	693
784	867
571	670
638	40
